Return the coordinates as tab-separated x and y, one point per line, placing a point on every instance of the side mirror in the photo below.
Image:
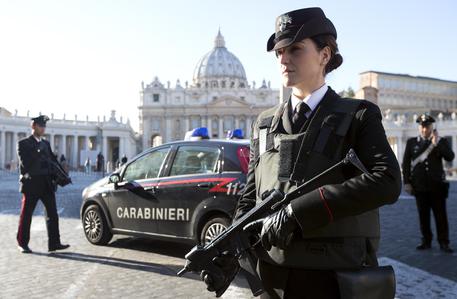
114	179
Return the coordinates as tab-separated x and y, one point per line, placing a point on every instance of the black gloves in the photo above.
219	281
276	229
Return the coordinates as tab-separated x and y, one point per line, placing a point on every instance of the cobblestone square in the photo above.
141	268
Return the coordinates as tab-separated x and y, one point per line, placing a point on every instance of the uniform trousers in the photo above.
435	202
25	219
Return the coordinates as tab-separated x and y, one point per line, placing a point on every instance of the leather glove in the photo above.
276	229
219	282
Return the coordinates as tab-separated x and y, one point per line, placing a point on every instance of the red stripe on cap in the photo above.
330	214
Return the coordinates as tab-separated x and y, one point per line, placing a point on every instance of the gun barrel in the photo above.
182	271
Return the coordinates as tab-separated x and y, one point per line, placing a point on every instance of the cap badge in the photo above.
283	21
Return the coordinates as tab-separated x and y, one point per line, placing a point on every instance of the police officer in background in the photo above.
36	183
424	177
336	225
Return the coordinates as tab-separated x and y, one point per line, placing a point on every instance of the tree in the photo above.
347	93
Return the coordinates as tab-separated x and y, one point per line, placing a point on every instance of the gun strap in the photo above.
423	156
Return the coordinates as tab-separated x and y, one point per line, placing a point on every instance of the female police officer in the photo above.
335	226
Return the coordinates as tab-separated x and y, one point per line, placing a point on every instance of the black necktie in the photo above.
299	116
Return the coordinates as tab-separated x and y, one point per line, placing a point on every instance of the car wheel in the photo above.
212	228
95	226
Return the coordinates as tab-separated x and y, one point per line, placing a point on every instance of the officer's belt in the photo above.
423	156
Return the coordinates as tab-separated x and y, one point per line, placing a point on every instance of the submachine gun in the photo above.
61	177
236	241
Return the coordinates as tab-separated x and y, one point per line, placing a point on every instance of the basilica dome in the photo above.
219	68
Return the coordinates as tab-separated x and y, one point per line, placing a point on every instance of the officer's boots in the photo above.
424	245
446	248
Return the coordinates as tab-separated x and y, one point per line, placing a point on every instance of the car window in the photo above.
146	167
195	160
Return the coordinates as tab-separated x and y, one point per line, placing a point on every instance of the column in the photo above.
248	126
2	149
204	122
63	150
168	129
209	125
146	140
400	148
187	123
14	155
221	127
237	122
51	141
74	152
121	147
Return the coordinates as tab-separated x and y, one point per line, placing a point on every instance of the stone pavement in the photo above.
142	268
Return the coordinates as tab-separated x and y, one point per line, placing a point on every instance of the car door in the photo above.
133	212
192	174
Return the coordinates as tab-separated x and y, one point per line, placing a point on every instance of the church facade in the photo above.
219	98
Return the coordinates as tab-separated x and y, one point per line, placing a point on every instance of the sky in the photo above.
89	57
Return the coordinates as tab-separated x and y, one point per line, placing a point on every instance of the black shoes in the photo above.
24	249
443	247
424	246
58	247
446	248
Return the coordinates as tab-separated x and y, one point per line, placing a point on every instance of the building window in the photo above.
242	125
229	123
155	97
195	122
215	127
155	125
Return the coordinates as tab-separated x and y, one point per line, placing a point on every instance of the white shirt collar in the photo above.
37	139
311	100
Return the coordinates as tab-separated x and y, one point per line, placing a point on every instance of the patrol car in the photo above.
184	190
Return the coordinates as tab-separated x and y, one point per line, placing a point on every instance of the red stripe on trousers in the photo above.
21	221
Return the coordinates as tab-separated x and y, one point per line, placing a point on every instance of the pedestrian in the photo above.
100	162
424	177
36	183
123	160
87	165
336	224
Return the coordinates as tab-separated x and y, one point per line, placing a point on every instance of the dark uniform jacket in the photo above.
36	172
428	174
345	196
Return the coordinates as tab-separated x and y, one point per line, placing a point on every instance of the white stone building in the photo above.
403	97
408	94
219	98
75	139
